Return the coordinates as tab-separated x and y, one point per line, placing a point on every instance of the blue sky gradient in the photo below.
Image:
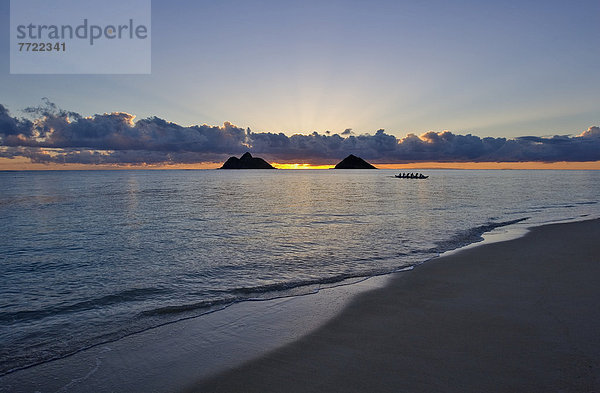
500	69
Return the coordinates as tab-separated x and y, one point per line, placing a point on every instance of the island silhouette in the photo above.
246	162
354	162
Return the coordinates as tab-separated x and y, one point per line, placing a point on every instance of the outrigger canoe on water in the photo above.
411	176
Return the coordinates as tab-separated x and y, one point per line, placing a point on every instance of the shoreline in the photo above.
351	286
514	315
181	352
188	349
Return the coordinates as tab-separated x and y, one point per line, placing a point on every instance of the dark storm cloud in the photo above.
52	135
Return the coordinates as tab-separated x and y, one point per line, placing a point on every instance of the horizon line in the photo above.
526	165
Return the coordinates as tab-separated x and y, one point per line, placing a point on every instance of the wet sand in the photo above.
517	316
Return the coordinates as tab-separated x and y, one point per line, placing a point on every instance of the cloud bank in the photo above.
50	135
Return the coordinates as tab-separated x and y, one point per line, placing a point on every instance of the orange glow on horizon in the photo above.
592	165
23	164
301	166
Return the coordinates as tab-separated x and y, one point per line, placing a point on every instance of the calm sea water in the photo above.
90	257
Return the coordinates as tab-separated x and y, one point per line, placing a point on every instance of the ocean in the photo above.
90	257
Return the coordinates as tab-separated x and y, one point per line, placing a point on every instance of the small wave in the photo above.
470	236
289	285
526	211
179	309
563	205
270	291
108	300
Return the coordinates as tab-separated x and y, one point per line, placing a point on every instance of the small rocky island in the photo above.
246	162
353	162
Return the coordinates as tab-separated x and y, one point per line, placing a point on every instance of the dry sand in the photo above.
516	316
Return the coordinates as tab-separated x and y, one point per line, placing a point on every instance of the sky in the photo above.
496	71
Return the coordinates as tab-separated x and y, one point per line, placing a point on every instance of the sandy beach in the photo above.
515	316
